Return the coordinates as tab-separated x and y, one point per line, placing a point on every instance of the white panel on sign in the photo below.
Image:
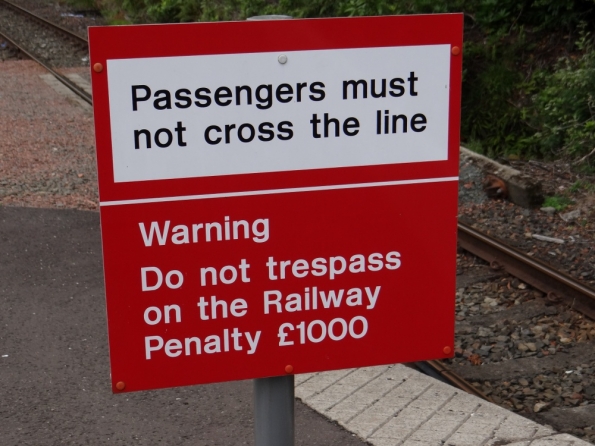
198	116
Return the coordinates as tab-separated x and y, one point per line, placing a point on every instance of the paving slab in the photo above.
398	406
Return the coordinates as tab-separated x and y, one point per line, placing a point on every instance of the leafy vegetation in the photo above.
559	203
565	107
582	186
529	65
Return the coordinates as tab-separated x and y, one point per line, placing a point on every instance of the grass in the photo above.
559	203
581	185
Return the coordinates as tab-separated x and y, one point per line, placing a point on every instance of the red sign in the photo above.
278	196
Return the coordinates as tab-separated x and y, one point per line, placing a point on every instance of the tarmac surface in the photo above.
54	365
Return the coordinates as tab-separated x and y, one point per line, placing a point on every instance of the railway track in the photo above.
45	22
555	284
557	287
52	46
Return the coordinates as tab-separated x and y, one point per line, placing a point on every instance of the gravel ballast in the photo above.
529	352
63	14
46	43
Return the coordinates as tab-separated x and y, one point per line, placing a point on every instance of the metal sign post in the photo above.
274	411
274	423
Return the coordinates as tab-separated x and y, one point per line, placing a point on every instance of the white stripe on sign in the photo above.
277	191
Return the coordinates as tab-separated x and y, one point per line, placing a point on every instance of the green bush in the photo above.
565	107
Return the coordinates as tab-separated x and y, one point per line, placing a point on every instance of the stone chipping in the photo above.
46	43
528	352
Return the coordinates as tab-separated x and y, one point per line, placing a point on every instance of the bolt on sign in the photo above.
277	196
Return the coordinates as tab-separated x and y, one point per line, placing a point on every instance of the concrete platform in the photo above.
398	406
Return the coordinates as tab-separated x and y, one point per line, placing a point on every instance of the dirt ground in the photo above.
47	143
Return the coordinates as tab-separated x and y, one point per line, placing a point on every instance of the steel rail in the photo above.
557	285
63	79
440	371
45	21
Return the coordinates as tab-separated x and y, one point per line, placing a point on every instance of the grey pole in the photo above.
274	411
274	398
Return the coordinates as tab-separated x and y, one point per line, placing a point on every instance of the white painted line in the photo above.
277	191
